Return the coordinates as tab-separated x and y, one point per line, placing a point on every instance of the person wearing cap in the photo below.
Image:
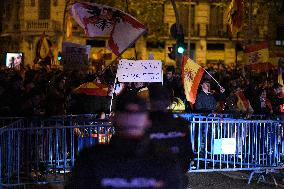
128	160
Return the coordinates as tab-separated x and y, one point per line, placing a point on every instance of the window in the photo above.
216	19
96	43
33	3
239	47
155	45
44	9
215	46
280	32
278	43
183	14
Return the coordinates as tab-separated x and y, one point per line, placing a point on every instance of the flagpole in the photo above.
112	94
212	77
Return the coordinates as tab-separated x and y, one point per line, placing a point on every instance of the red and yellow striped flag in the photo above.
256	56
243	103
191	76
234	16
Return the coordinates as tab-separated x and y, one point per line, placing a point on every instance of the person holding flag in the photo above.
192	74
206	101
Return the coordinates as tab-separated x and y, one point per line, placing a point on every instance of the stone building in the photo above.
24	21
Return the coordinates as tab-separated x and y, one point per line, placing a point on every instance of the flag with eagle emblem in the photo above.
256	57
100	20
191	76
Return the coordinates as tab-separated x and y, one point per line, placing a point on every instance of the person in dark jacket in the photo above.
169	135
128	161
172	81
206	101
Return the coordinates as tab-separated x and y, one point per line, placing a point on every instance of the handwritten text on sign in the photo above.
139	71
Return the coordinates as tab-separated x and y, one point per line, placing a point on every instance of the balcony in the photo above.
32	26
42	25
216	31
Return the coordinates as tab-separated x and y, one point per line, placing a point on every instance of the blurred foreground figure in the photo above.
169	136
128	161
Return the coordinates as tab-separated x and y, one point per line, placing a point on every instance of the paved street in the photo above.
227	180
231	180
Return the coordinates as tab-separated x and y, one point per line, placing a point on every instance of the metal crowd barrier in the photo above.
4	121
43	151
232	145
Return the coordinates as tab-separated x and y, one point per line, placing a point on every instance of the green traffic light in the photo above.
180	50
59	56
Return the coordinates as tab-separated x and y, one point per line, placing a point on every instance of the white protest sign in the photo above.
225	146
139	71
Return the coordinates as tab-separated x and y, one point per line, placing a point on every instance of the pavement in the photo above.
211	180
232	180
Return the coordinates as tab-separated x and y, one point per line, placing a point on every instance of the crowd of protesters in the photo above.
46	92
242	93
49	92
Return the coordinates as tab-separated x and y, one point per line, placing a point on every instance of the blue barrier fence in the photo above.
43	151
5	121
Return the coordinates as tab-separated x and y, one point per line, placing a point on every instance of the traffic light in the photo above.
59	56
181	47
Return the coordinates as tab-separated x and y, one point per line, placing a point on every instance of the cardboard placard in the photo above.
139	71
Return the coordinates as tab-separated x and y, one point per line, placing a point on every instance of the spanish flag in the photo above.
69	27
234	16
243	103
191	76
92	88
256	56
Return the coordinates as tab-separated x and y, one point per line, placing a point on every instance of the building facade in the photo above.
24	21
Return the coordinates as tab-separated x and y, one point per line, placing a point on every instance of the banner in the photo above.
100	20
43	53
139	71
75	53
256	56
191	76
